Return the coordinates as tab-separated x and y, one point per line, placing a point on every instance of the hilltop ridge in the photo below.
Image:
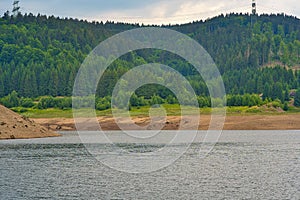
40	56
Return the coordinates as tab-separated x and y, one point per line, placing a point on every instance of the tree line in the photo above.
13	100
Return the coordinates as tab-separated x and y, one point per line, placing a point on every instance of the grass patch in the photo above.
236	109
171	110
293	109
48	113
254	110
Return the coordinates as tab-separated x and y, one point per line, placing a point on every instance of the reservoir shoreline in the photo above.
232	122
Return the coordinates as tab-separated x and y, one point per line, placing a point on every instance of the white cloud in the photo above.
183	11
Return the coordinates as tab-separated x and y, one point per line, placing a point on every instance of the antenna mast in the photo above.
16	8
254	12
253	7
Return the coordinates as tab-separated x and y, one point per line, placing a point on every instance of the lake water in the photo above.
242	165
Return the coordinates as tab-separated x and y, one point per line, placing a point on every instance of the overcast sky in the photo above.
149	11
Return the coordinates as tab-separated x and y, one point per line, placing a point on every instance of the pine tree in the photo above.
297	98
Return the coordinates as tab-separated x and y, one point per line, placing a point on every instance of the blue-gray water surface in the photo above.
242	165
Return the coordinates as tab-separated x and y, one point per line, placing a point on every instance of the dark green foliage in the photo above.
244	100
137	101
26	102
103	103
285	106
297	98
204	101
40	56
277	103
156	100
63	103
51	102
11	100
271	82
46	102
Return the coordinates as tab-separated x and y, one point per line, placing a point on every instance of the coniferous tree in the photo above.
297	98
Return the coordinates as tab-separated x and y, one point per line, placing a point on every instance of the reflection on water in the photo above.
243	165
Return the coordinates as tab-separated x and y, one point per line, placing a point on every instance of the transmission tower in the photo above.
16	8
254	13
253	7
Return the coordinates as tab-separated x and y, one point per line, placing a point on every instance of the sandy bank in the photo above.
233	122
14	126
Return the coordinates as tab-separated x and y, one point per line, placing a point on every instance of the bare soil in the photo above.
14	126
232	122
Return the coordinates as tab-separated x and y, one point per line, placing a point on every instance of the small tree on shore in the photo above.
297	98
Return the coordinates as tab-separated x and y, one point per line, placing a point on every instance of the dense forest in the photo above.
258	56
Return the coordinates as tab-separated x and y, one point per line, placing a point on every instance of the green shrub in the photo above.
277	103
26	102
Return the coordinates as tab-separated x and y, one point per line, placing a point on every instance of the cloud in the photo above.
183	11
150	11
166	11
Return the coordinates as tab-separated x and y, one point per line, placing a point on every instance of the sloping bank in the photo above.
14	126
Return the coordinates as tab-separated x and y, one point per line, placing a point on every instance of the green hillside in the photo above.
40	55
